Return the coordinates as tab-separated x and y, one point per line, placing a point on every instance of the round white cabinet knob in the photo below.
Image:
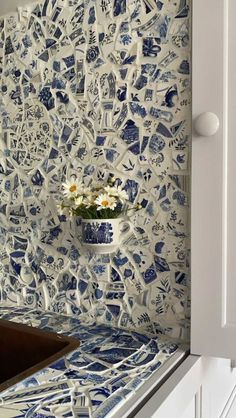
206	124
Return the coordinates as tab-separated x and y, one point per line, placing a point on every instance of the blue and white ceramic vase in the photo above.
102	235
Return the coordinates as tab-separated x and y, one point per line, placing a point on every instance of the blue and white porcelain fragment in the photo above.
104	236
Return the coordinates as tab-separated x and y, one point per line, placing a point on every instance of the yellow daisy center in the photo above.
73	188
105	203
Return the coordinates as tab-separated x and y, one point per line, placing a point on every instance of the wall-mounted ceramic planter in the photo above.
102	235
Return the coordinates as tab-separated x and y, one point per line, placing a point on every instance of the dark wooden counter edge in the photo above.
72	344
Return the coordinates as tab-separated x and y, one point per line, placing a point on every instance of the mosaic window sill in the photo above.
97	380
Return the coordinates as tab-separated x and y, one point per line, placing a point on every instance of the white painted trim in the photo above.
229	403
198	403
225	160
176	393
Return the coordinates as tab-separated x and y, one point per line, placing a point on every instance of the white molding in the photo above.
176	393
228	405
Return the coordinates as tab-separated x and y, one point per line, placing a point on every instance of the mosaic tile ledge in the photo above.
92	382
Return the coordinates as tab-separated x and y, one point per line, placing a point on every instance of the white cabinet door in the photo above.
214	180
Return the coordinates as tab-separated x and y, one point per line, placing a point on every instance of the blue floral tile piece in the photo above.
151	47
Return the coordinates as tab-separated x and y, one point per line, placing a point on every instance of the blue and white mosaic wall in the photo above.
97	88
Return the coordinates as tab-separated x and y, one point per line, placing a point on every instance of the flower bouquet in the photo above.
102	209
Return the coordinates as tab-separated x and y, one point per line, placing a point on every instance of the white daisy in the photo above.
104	201
117	192
89	201
72	188
78	201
